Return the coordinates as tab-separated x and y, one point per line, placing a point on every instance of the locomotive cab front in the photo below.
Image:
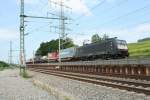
122	48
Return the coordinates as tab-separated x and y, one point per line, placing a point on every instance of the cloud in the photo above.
8	34
78	6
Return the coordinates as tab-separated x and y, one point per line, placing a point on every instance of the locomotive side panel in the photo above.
105	49
97	50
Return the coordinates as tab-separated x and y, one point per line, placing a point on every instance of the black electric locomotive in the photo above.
110	48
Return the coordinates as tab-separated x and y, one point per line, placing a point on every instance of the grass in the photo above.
67	98
24	74
140	49
52	90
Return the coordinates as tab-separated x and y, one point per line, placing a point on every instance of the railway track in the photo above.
138	86
141	61
141	72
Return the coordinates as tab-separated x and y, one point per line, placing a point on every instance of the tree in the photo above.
52	46
95	38
145	39
105	36
3	65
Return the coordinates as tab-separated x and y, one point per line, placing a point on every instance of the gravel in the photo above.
77	90
13	87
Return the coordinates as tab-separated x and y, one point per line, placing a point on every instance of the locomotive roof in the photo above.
109	39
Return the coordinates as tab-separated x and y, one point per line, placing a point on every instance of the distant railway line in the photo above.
132	76
141	61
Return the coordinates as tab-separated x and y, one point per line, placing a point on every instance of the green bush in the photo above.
3	65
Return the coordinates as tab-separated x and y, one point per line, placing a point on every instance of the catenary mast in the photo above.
22	46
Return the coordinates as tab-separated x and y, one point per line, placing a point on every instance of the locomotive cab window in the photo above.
121	44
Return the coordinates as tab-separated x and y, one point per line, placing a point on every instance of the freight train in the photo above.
111	48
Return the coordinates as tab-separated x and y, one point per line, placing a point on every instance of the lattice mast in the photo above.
22	46
62	20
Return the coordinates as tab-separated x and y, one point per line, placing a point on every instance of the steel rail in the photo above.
130	76
99	81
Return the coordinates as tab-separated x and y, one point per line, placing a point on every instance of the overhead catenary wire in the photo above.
115	6
37	29
100	4
127	14
59	4
94	7
39	17
134	24
130	25
39	6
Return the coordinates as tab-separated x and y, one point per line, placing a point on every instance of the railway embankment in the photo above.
48	87
77	90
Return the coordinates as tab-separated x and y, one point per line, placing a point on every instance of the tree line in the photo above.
3	65
53	46
97	38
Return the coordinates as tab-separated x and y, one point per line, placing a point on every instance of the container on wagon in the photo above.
68	53
53	56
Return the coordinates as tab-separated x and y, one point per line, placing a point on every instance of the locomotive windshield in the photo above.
121	44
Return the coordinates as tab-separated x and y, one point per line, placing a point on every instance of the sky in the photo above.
126	19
